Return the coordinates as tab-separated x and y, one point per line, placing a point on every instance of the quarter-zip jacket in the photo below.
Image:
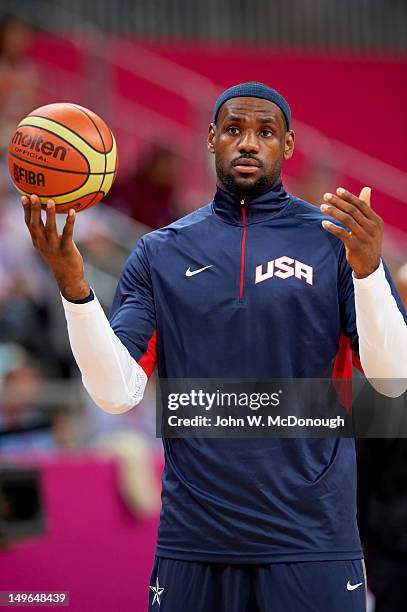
252	289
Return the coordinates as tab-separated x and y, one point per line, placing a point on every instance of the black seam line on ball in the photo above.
57	135
31	163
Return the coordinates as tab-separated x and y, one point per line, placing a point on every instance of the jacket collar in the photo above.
228	206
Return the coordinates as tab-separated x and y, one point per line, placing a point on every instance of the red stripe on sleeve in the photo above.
147	361
342	369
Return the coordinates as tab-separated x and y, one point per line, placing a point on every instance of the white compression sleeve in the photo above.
382	334
113	379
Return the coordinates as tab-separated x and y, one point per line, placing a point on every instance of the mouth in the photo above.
246	166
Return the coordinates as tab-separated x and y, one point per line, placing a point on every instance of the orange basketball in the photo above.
63	152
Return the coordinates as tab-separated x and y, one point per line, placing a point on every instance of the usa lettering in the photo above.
284	267
28	176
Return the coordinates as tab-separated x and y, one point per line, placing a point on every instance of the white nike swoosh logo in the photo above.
190	272
352	587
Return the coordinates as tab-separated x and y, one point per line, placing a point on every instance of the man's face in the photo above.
250	142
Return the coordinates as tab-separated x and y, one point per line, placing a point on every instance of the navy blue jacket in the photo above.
275	300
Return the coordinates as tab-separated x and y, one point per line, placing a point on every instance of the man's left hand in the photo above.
363	241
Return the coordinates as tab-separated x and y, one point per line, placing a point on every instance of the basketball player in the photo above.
256	284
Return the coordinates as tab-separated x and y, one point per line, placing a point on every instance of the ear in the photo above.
289	144
211	137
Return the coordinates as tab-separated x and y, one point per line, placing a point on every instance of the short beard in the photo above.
263	184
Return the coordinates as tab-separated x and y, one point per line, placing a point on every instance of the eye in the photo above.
233	130
266	133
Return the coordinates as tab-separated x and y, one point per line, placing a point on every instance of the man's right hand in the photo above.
58	251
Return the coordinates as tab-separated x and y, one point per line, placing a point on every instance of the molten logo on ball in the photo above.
63	152
37	143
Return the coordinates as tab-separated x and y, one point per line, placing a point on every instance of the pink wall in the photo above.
93	547
356	99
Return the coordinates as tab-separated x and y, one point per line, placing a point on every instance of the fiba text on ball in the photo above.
21	175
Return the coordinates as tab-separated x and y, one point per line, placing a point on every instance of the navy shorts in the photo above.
320	586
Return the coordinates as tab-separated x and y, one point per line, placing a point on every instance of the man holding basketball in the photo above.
256	284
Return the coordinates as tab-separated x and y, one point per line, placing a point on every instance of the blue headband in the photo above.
254	90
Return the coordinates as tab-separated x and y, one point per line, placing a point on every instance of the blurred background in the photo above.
79	489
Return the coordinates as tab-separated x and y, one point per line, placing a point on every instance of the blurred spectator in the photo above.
30	304
382	509
148	194
23	426
35	415
18	265
18	77
135	462
382	516
130	439
24	285
27	424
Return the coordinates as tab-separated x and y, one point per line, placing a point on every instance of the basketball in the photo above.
63	152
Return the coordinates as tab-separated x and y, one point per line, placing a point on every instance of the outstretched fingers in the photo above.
355	213
363	241
36	220
32	216
50	224
337	231
27	209
67	233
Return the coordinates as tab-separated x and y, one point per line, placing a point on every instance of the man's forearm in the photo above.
382	334
114	380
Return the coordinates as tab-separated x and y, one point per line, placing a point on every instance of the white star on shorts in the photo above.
158	591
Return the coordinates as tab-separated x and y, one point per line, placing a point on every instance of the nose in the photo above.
248	142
